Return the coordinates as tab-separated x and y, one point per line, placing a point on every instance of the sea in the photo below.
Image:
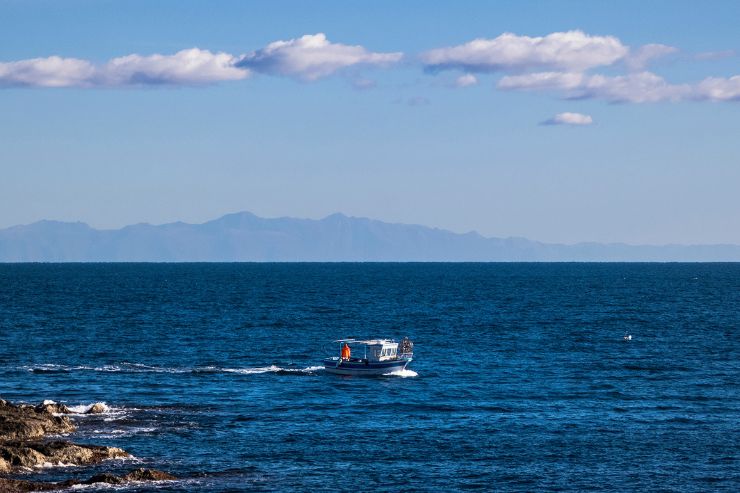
522	378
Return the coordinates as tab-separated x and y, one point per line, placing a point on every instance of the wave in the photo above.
54	368
119	433
84	408
142	368
272	369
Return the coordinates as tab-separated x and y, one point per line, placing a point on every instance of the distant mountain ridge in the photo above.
244	237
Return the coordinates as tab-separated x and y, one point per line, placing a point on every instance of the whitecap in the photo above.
49	465
53	368
251	371
402	373
84	408
118	433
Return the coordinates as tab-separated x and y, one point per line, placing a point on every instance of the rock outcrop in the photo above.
30	454
97	408
25	444
22	432
52	407
29	422
20	485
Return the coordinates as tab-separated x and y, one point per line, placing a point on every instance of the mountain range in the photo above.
244	237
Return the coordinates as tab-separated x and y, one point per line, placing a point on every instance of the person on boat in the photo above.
346	351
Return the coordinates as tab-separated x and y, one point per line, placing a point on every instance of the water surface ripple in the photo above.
524	381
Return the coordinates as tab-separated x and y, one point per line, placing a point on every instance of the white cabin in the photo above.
382	350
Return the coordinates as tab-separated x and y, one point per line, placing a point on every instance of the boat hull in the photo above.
364	368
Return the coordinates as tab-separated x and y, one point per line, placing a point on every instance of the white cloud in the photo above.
561	62
466	80
311	57
643	87
53	71
568	118
640	58
568	51
562	81
308	58
715	55
718	89
186	67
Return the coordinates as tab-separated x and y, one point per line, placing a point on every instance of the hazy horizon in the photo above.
339	213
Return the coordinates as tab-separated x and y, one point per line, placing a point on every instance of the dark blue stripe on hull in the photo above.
329	364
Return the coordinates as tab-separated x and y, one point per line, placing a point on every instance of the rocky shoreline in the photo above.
25	444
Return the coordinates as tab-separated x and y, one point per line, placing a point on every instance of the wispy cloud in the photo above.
466	80
567	118
643	87
640	58
362	84
715	55
311	57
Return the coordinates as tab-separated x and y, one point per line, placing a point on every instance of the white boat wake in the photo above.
402	373
272	369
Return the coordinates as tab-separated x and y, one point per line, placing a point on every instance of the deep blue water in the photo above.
524	381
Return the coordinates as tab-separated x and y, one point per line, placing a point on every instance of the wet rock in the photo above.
22	447
106	477
16	485
22	429
34	454
52	407
28	423
97	408
60	452
142	474
18	455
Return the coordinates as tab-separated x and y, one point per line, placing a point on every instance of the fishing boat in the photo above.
370	357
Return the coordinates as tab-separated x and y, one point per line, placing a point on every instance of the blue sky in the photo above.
393	114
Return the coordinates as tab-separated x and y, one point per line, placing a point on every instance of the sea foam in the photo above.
402	373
